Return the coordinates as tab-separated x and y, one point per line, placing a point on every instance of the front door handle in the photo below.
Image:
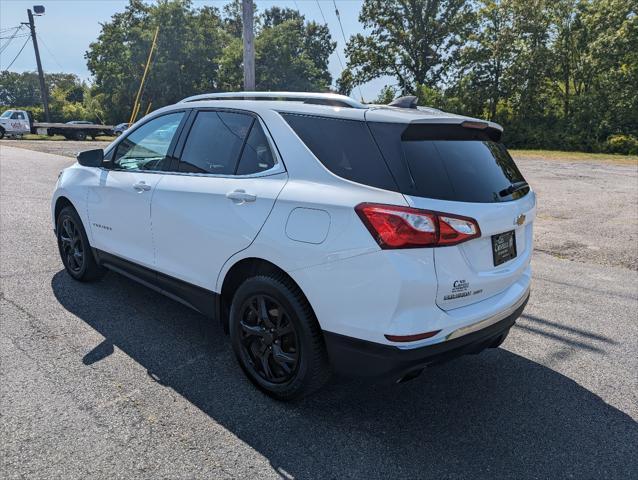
240	196
141	187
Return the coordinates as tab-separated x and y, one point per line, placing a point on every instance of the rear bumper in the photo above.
354	357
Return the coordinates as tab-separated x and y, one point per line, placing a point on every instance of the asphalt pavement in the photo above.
112	380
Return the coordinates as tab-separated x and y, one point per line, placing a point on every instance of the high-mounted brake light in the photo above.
474	124
405	227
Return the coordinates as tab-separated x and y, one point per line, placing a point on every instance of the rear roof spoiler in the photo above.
467	130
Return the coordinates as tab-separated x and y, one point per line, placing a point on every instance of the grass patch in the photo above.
575	156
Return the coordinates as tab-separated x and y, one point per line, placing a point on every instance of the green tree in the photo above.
486	57
290	54
200	50
23	89
186	59
415	41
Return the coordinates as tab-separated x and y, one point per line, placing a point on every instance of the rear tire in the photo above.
74	248
80	135
277	339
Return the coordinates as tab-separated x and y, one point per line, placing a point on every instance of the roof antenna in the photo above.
404	102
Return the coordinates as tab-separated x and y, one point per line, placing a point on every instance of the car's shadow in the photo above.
488	416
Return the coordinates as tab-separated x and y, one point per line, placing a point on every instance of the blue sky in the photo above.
69	26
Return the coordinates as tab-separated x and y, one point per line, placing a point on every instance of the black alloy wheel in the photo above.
74	247
276	337
71	245
269	341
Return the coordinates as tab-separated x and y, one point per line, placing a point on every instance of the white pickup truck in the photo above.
15	123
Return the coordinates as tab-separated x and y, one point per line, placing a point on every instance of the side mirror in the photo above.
91	158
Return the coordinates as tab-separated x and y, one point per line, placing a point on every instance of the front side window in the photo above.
147	147
215	142
17	116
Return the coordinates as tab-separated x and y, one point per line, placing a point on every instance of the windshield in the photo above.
6	114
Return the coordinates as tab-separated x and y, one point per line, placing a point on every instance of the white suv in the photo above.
325	235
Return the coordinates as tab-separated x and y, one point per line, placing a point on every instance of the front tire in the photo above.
277	339
74	247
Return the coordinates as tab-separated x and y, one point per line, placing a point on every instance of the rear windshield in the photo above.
432	161
458	164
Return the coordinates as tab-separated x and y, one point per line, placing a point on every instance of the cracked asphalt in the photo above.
111	380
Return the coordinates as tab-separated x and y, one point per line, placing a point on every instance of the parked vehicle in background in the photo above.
15	123
325	235
120	128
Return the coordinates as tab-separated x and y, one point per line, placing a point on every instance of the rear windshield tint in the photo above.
429	163
345	147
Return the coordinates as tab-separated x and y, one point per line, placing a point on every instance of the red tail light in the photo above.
405	227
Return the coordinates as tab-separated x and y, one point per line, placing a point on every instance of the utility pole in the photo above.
43	87
249	44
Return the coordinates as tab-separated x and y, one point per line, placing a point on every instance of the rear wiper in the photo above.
514	187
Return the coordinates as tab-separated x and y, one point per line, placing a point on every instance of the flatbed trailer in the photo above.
71	131
16	123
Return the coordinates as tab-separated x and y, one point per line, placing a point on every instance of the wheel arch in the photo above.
240	271
61	203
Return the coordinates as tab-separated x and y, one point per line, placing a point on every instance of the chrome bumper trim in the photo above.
459	332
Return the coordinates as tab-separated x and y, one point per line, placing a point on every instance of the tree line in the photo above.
559	74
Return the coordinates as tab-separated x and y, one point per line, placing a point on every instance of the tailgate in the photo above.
466	273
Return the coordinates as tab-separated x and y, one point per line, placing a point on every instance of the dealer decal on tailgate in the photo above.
460	289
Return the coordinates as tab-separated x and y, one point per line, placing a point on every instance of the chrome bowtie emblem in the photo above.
520	220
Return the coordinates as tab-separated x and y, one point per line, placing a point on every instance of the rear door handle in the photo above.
240	196
141	187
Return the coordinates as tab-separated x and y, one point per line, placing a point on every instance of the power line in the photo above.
343	34
15	35
321	10
11	38
50	52
345	42
326	22
9	28
16	57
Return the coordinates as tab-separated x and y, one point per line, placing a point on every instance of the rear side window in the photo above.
214	142
345	147
447	164
257	155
